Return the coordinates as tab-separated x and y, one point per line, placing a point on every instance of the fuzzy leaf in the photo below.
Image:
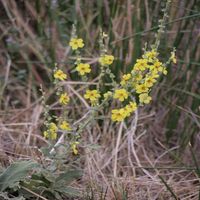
4	196
69	191
68	177
15	173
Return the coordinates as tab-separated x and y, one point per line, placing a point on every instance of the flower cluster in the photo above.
139	82
52	128
148	69
120	114
59	75
51	132
125	79
132	91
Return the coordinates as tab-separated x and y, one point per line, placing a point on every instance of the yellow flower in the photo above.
150	55
64	99
137	77
76	43
59	74
107	95
173	57
83	68
164	71
51	133
127	110
149	81
45	134
120	94
141	88
65	126
157	65
132	106
141	65
104	34
106	59
53	127
154	74
74	147
92	95
144	98
125	78
118	115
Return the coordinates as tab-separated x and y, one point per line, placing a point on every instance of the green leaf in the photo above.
4	196
68	177
15	173
69	191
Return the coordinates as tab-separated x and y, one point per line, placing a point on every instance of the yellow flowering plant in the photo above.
124	96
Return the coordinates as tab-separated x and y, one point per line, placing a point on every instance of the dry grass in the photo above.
130	157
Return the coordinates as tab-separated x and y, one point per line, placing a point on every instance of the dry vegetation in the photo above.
157	156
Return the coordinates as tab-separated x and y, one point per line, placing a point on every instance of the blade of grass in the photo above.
168	188
156	27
